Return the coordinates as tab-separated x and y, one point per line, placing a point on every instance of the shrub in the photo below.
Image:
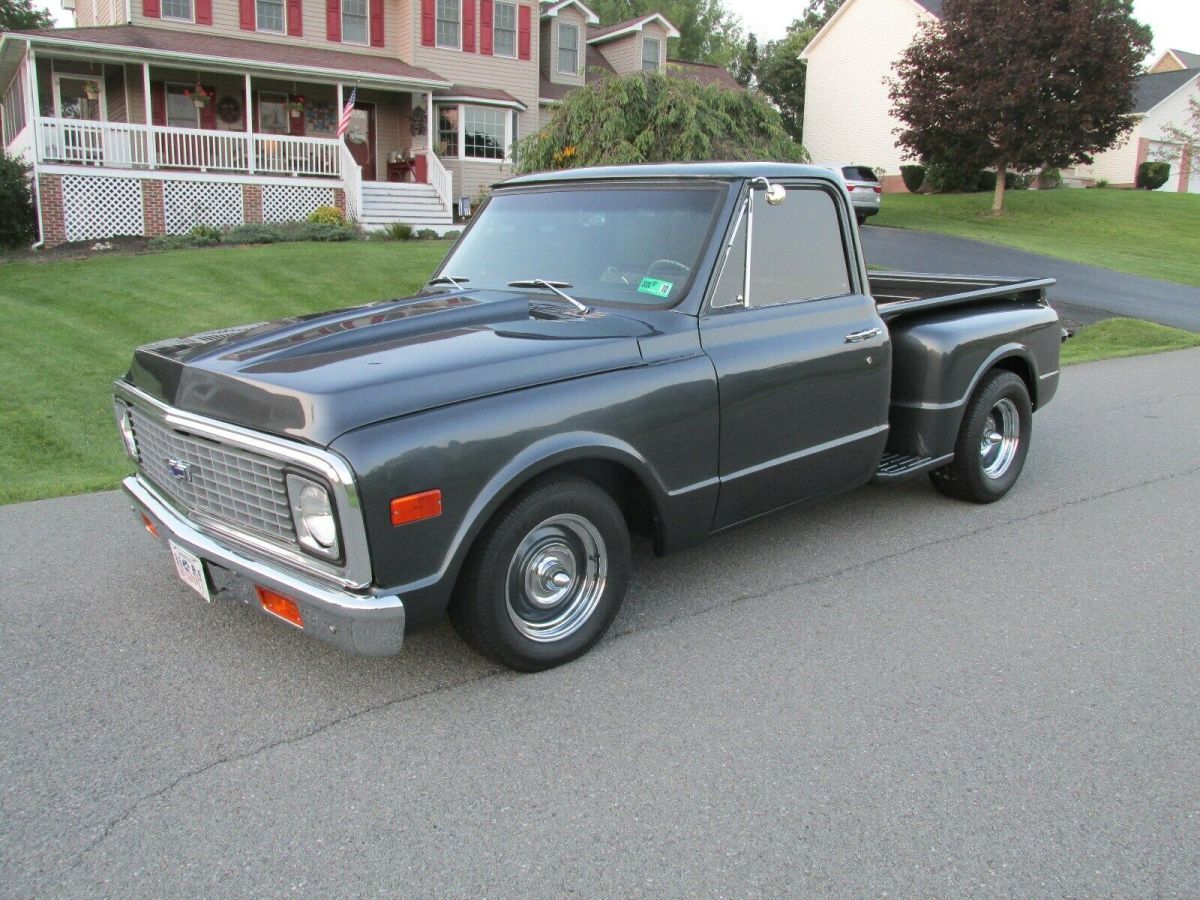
1049	179
1020	182
182	241
400	232
17	220
326	215
951	178
1102	183
914	177
320	231
255	234
451	235
427	234
205	231
1153	175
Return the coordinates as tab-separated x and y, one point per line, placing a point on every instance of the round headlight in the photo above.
317	515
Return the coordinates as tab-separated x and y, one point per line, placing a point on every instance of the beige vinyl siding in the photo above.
568	16
1117	166
656	32
136	108
847	116
99	12
226	21
624	54
114	93
545	114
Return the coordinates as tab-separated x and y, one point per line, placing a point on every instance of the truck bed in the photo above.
904	293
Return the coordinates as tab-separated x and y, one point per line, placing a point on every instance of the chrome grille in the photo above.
231	484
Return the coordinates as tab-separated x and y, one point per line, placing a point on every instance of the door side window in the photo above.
797	251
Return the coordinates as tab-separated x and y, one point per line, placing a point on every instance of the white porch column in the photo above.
34	106
151	143
249	118
431	122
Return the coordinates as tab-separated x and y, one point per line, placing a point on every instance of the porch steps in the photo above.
385	203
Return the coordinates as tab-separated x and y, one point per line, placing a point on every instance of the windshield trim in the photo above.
719	186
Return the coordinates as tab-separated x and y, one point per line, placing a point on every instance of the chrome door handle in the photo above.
858	337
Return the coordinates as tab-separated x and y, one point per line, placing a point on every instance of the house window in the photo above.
272	113
449	24
504	30
354	21
177	9
448	131
568	49
484	132
181	107
651	48
270	15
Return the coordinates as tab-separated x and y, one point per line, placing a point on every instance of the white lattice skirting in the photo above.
96	207
187	204
291	203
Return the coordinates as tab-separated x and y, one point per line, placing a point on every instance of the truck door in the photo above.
803	360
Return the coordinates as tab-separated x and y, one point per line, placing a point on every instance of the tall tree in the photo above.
19	15
1019	85
744	67
654	117
709	32
780	74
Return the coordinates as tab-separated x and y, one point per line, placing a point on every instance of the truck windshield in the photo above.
622	245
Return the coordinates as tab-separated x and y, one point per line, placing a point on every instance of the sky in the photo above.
1176	23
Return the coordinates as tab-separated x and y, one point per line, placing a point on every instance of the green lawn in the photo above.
1125	337
1140	232
70	329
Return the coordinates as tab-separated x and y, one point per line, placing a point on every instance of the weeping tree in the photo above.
1019	85
653	117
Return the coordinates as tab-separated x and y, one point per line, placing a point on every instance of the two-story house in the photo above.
153	116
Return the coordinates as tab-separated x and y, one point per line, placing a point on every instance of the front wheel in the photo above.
547	576
992	442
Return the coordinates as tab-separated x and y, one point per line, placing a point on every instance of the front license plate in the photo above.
191	569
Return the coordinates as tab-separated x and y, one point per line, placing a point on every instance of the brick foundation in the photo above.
894	184
252	204
54	224
339	200
154	217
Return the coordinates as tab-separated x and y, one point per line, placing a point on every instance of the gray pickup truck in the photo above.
662	350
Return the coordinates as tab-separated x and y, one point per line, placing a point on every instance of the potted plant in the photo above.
295	106
199	95
92	90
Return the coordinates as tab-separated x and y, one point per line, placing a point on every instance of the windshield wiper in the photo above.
552	286
457	280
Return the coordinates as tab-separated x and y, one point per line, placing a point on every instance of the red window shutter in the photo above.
485	27
203	12
468	20
333	20
295	18
152	9
523	19
428	23
208	112
246	15
376	23
158	103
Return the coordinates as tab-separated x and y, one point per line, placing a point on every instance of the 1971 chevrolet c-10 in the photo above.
670	350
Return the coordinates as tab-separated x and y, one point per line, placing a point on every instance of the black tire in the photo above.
546	577
992	443
862	220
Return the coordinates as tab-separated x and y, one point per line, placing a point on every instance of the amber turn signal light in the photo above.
149	525
416	507
278	605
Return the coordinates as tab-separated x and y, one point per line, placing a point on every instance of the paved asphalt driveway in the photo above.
888	693
1083	293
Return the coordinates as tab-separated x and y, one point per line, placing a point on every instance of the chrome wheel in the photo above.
1001	438
556	578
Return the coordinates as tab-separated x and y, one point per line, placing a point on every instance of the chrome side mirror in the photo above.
776	195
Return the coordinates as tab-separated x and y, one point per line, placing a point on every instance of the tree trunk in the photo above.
998	196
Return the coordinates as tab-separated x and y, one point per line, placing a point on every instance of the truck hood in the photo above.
317	377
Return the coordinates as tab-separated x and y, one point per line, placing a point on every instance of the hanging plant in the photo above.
92	90
295	105
199	95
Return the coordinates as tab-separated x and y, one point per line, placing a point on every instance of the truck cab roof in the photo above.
722	171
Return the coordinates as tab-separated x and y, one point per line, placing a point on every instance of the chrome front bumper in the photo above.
363	623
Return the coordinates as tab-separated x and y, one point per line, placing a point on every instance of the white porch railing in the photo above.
125	146
351	182
441	179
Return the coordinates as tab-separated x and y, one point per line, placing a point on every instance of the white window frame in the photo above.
258	129
657	54
460	152
366	17
102	100
516	29
283	9
559	49
191	18
167	85
437	31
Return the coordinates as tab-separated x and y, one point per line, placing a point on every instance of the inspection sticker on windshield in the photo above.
656	288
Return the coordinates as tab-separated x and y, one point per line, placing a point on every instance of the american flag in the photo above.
347	111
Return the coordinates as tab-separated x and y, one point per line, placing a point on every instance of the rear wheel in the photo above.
862	220
992	442
547	576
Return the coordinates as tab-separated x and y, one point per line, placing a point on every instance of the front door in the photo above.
802	359
360	138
